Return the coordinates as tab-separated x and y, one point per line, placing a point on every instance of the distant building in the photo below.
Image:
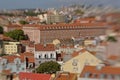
55	18
48	33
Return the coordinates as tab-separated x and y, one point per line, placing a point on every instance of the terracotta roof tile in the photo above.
74	54
67	26
34	76
3	37
113	57
11	58
29	55
108	70
7	72
68	76
47	47
14	25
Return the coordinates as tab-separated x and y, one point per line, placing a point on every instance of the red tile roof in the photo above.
22	56
86	19
7	72
47	47
14	26
29	55
66	76
67	26
3	37
108	70
74	54
113	57
11	58
34	76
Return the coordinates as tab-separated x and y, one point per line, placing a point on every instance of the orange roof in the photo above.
34	76
14	25
7	72
104	43
47	47
29	55
86	19
74	54
3	37
113	14
22	56
11	58
113	57
66	76
108	70
67	26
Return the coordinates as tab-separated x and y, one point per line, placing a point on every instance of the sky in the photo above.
18	4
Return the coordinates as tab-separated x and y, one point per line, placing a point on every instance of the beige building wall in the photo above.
11	47
76	64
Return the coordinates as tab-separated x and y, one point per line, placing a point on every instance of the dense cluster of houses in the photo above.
80	47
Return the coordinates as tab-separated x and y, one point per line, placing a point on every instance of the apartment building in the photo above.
12	47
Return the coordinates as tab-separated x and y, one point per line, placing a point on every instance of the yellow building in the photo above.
89	42
76	64
11	47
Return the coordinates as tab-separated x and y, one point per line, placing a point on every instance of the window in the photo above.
102	76
75	68
52	55
75	61
87	74
46	56
40	56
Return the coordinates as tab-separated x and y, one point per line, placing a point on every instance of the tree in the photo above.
111	39
16	35
1	30
3	55
48	67
23	22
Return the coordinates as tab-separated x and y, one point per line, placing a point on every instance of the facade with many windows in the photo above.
12	47
48	33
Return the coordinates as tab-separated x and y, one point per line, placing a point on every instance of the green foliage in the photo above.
16	35
48	67
111	39
23	22
3	55
7	14
1	30
79	11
